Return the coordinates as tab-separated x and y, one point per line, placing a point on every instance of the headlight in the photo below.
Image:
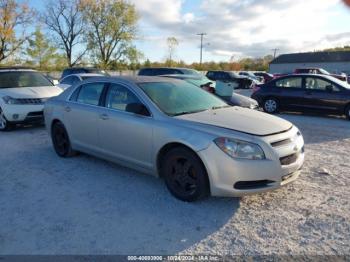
9	100
240	149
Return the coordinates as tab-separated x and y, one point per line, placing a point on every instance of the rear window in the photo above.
23	79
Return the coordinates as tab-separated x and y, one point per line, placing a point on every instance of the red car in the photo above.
319	71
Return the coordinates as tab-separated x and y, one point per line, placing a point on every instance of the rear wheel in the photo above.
61	140
347	112
4	124
271	105
185	175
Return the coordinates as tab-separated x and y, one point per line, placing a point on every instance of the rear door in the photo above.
81	113
289	91
124	135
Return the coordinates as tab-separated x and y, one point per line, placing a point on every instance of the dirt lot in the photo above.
88	206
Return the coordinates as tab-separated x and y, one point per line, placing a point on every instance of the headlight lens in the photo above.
240	149
9	100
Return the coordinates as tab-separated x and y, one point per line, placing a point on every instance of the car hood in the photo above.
241	100
31	92
241	119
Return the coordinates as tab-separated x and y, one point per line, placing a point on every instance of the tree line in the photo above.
68	33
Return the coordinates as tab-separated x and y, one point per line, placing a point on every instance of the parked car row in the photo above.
175	126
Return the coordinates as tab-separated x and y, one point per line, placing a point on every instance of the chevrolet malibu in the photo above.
169	128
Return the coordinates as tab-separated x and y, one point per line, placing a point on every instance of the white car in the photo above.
23	93
73	79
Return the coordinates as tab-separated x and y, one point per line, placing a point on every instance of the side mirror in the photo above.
137	108
329	88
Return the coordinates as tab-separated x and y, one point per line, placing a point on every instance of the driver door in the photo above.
125	136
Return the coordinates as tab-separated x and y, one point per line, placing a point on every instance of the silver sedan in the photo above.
174	130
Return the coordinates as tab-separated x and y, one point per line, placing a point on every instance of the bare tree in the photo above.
172	44
14	18
111	27
64	19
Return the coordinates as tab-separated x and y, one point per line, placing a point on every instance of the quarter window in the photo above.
90	93
294	82
319	84
119	97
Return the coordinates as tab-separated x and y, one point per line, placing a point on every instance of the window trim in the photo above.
123	111
290	77
325	80
78	89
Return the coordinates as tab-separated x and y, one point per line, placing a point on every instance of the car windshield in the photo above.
180	97
324	72
15	79
190	72
339	82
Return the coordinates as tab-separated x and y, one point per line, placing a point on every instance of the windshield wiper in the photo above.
219	107
189	112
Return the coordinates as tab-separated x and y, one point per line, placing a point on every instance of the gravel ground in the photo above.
84	205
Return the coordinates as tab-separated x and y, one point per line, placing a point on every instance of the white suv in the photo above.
23	93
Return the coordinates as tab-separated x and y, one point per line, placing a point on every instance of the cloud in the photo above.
246	27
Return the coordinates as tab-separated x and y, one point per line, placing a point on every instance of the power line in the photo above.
201	54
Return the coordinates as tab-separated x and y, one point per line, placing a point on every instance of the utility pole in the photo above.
201	54
274	52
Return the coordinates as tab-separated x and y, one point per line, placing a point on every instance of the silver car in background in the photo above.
174	130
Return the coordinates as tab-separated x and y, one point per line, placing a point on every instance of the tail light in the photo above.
256	88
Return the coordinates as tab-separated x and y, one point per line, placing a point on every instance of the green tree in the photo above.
40	50
110	28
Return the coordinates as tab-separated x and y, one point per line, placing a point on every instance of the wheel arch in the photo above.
169	146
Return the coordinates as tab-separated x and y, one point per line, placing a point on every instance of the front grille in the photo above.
281	143
288	160
30	101
36	114
246	185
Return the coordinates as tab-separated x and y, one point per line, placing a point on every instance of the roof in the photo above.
11	68
313	57
84	75
134	79
185	76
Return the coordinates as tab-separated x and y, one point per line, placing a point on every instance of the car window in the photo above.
119	97
90	93
292	82
319	84
70	80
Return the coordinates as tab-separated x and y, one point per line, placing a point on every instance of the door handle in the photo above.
67	109
104	117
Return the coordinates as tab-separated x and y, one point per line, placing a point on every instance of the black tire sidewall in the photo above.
202	181
69	152
8	126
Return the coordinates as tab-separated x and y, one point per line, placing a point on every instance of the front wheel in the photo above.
185	175
271	106
61	140
4	124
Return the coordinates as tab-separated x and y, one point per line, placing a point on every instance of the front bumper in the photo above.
237	177
24	113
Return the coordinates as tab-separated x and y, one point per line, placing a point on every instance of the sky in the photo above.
238	28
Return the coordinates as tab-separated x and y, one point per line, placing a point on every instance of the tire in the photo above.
4	124
185	175
271	105
347	112
60	140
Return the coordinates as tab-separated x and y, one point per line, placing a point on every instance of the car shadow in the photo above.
318	128
84	205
